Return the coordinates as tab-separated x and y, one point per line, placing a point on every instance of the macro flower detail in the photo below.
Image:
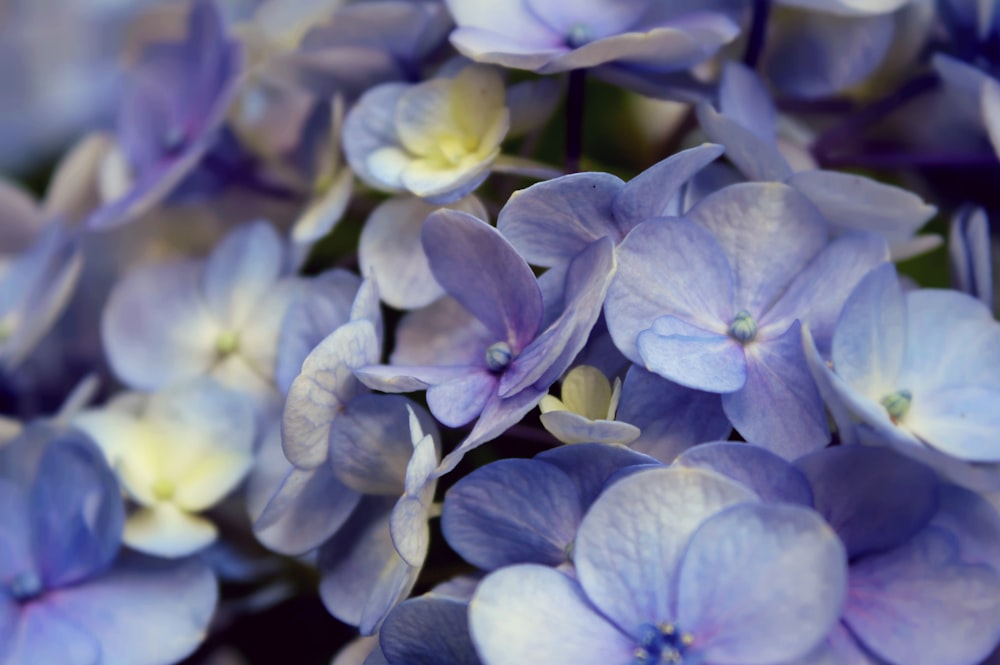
437	139
679	581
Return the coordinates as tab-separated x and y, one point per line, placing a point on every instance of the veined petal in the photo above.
531	613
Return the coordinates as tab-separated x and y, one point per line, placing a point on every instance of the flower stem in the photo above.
758	31
574	119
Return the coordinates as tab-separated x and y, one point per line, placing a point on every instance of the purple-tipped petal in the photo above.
512	511
443	333
497	417
481	270
761	583
652	515
531	613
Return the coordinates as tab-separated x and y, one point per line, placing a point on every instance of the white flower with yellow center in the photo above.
177	453
586	412
437	139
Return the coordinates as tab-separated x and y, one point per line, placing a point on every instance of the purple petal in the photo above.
667	267
649	193
41	634
672	418
369	127
779	407
363	575
768	233
552	221
692	356
755	157
370	444
497	417
870	339
320	391
159	308
306	509
969	249
481	270
761	583
241	270
428	631
76	511
531	613
528	51
16	556
920	602
961	421
772	478
744	98
323	305
874	498
443	333
824	54
591	465
177	599
632	539
458	401
817	294
550	354
390	249
512	511
855	203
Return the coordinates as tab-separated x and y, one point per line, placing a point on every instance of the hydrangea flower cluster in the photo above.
610	332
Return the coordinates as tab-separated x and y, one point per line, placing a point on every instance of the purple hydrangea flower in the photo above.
64	597
919	370
714	301
175	101
549	36
672	565
498	360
